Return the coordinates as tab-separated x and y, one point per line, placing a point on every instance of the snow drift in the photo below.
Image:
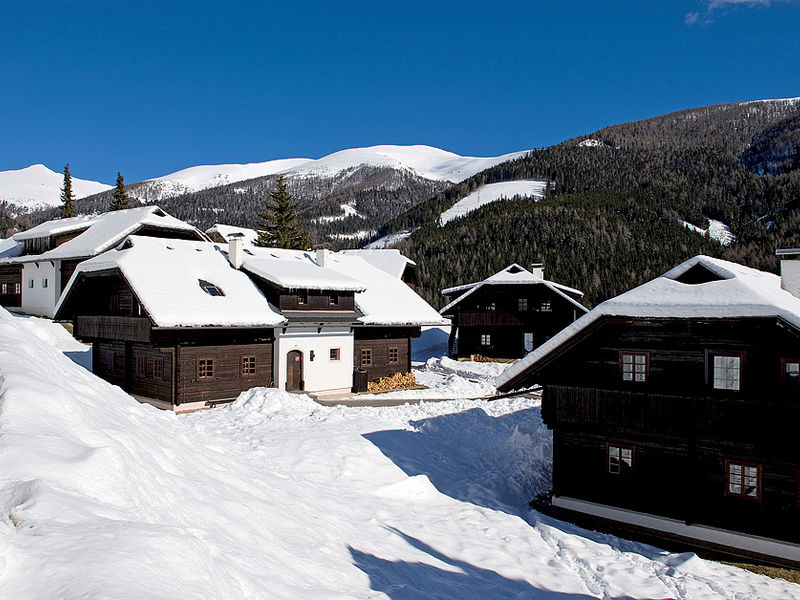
278	497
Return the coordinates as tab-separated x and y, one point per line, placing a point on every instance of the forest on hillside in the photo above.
625	196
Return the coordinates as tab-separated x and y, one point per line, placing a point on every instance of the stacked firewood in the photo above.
398	381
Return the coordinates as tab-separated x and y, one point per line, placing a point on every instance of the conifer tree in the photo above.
120	200
282	227
67	196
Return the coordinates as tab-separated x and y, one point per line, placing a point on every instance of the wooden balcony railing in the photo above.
131	329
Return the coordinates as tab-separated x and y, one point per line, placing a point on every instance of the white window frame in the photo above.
726	371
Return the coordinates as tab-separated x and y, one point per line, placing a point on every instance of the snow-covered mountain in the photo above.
37	187
422	161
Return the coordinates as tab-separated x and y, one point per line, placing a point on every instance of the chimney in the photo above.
322	257
537	270
790	270
236	249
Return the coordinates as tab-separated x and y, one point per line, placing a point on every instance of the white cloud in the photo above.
713	6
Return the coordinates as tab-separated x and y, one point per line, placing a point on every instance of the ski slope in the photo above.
37	187
278	497
492	192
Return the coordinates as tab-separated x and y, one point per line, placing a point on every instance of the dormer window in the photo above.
210	288
514	269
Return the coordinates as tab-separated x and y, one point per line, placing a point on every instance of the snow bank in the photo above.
275	496
492	192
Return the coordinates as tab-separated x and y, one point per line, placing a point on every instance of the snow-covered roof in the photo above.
381	298
10	248
513	274
166	277
389	260
250	235
296	270
102	231
734	291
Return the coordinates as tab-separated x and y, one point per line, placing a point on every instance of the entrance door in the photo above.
528	341
294	371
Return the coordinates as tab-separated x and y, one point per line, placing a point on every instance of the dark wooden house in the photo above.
674	410
508	314
185	325
36	269
172	323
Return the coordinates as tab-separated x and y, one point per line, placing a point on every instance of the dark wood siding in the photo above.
379	341
11	275
149	385
67	269
317	301
227	381
134	329
681	428
109	360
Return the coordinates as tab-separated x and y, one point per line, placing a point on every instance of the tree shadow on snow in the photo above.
500	463
403	580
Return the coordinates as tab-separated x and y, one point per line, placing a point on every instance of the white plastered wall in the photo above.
38	299
320	374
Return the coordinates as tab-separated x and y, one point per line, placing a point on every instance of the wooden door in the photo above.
294	371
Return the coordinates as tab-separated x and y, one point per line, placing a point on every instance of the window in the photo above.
620	459
141	366
486	339
113	303
302	297
44	282
335	353
18	288
790	371
394	356
210	288
249	365
3	288
158	368
30	283
726	372
333	300
743	480
634	366
366	357
545	306
205	368
522	304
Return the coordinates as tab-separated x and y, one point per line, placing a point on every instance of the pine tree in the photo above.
67	197
120	200
282	226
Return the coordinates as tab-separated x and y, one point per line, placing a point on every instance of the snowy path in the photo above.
278	497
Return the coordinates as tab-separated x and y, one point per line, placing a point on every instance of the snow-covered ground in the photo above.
389	241
356	235
348	210
717	230
492	192
276	496
38	187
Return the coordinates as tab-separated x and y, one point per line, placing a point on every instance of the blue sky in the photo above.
148	88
